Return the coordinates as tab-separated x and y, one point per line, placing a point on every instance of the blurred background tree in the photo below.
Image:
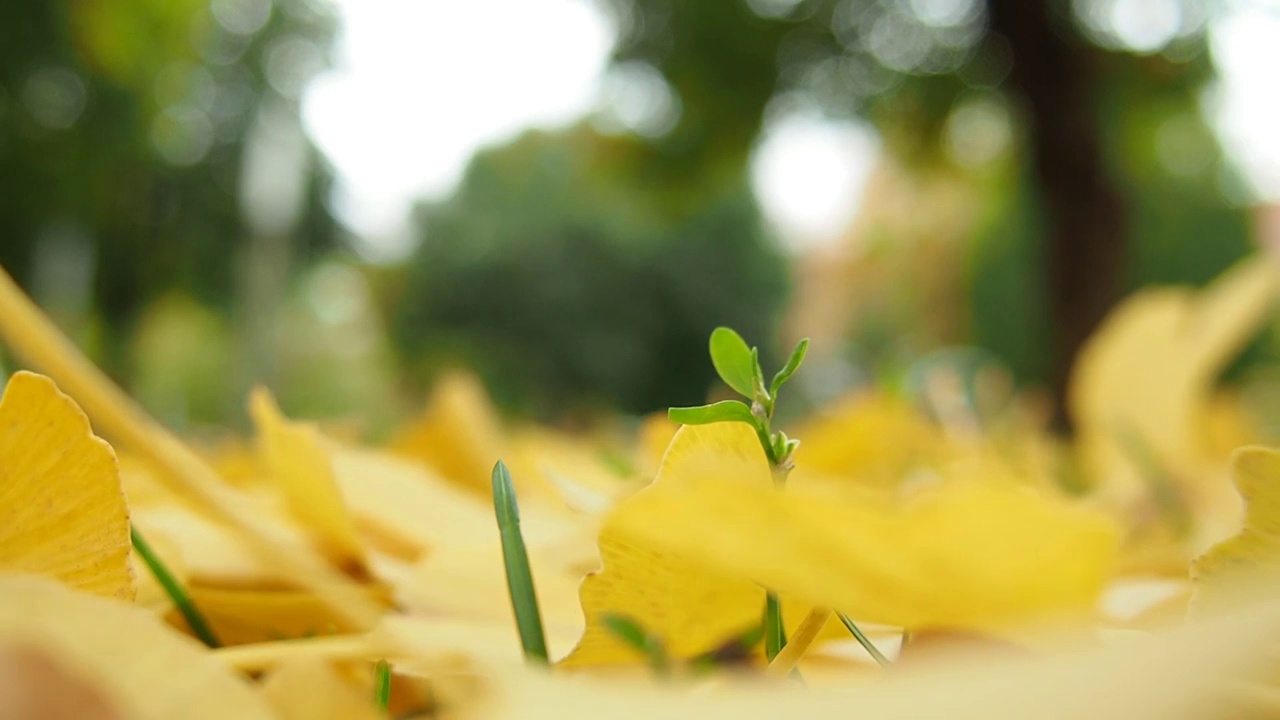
131	135
578	272
1113	180
1038	158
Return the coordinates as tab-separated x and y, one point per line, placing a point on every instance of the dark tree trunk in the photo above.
1052	74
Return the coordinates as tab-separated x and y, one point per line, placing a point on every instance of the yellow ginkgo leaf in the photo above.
64	513
211	553
1221	572
150	671
692	608
409	510
151	594
564	472
654	435
963	554
310	689
459	433
1194	672
868	438
1148	374
34	685
239	616
35	338
469	582
299	462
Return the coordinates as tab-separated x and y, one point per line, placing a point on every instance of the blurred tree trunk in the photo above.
1052	73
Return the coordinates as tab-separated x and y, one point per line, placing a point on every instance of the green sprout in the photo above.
382	685
524	600
181	601
738	365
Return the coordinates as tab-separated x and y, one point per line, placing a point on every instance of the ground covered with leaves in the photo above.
876	561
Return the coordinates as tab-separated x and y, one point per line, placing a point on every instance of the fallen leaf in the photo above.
64	513
960	555
298	460
309	689
149	670
1220	573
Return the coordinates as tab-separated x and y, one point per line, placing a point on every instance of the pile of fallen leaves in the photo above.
327	579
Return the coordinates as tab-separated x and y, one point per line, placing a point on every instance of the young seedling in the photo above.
181	601
524	600
738	365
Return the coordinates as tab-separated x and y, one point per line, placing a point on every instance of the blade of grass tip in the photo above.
639	639
524	601
382	685
863	640
775	635
181	600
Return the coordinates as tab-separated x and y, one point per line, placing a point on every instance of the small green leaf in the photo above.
779	443
629	632
382	685
732	360
723	411
793	364
524	600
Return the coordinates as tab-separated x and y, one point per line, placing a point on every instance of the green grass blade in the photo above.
863	640
181	600
644	642
524	601
382	685
775	635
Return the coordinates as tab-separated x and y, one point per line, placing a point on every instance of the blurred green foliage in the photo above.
573	286
576	270
911	68
124	133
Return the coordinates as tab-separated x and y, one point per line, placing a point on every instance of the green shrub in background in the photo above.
572	277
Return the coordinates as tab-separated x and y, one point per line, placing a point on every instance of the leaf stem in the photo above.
524	600
863	640
181	601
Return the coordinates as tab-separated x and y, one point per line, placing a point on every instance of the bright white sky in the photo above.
418	88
